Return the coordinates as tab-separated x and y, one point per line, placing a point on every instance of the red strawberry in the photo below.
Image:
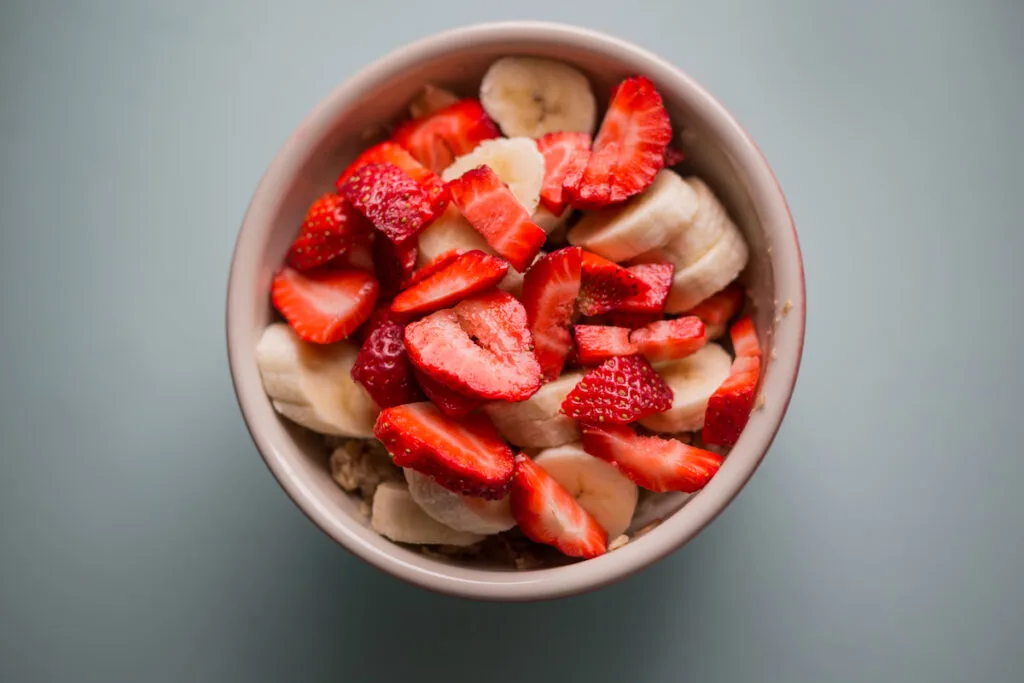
619	391
558	150
331	227
481	348
597	343
548	514
468	274
729	407
492	209
393	153
394	202
448	400
465	455
628	151
436	139
381	314
719	308
550	289
606	285
383	368
633	321
673	156
324	306
574	173
653	463
670	339
658	277
393	264
437	265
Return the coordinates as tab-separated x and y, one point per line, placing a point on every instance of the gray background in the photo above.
141	537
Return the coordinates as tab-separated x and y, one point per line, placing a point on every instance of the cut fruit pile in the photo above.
432	303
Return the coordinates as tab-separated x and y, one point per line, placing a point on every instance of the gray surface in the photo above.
142	539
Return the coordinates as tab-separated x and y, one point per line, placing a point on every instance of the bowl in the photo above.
717	148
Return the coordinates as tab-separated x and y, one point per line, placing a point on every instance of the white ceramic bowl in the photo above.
717	149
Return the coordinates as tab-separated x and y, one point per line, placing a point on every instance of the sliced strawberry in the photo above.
628	151
393	153
491	208
465	455
718	309
574	173
448	400
330	228
653	463
436	139
558	150
437	265
481	348
394	264
670	339
395	204
383	368
729	407
606	285
466	275
658	277
597	343
633	321
673	156
324	306
618	391
548	514
381	314
550	289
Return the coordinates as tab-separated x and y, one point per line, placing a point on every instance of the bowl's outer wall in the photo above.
350	119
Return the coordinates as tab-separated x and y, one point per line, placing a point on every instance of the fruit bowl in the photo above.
716	148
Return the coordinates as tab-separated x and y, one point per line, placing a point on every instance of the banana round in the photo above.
528	96
395	515
692	379
459	512
538	421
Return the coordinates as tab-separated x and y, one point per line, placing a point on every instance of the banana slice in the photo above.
710	274
548	221
531	97
650	220
710	223
396	515
431	99
607	494
312	384
462	513
538	421
693	379
517	161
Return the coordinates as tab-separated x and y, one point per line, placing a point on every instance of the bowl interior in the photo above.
356	115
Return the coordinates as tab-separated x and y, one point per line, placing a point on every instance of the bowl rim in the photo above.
677	529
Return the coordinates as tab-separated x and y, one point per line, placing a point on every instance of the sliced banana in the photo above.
462	513
449	232
312	384
431	99
548	221
517	161
710	224
538	421
692	379
710	274
607	494
531	97
650	220
396	515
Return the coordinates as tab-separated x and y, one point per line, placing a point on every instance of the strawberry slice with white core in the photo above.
436	139
467	274
558	150
465	455
324	307
670	339
548	514
629	149
550	289
493	210
597	343
653	463
481	348
658	277
729	407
